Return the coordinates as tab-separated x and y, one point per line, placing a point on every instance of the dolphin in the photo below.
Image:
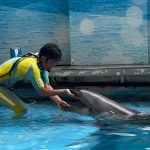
94	103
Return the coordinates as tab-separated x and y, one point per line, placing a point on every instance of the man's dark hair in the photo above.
50	51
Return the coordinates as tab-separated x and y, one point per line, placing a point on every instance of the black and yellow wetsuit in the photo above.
25	68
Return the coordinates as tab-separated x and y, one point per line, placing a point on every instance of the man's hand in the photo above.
62	104
69	93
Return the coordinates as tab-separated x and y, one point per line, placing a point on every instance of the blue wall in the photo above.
30	24
109	31
94	31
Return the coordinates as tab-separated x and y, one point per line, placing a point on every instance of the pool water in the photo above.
46	127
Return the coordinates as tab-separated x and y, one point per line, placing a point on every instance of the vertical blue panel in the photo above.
15	52
148	8
109	31
30	24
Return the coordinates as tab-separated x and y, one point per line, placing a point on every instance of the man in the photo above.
35	69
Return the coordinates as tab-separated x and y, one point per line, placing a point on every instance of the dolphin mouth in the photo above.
75	92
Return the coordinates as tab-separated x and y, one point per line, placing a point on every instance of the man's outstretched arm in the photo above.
53	94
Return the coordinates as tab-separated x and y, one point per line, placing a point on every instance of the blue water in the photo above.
46	127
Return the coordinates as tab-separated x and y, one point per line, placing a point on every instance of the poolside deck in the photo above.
122	74
114	81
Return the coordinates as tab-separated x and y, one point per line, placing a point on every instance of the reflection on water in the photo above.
48	127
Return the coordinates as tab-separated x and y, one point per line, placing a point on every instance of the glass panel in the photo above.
109	31
30	24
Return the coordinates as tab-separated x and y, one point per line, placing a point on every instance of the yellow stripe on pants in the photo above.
9	99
